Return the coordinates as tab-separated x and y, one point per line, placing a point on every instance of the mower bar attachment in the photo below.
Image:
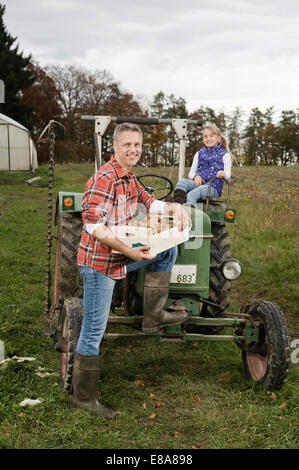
141	120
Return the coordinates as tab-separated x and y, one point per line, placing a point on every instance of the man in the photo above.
111	197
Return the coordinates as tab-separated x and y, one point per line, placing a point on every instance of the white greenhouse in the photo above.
17	149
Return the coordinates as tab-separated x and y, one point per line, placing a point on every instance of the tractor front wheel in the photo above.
267	361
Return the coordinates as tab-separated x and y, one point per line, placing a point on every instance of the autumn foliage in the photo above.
36	95
65	93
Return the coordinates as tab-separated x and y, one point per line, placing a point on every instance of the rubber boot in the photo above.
179	196
155	295
85	380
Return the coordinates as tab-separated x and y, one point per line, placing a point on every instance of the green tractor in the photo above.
200	281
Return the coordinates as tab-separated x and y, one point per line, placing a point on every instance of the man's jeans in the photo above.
97	296
195	193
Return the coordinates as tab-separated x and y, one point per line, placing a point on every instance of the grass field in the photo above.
168	396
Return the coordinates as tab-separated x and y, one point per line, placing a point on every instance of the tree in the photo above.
288	138
95	93
234	133
16	75
252	137
164	139
44	98
71	84
262	144
268	149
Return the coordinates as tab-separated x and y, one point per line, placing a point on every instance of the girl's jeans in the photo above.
97	296
194	193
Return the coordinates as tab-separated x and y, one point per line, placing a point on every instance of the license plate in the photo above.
183	274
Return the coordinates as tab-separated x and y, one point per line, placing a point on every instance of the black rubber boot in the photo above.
85	381
155	295
179	196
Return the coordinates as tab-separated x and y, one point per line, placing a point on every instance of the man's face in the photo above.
127	149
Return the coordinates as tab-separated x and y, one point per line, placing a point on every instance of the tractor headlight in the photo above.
231	269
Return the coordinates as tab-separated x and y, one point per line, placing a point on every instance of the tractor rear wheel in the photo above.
267	361
69	329
220	287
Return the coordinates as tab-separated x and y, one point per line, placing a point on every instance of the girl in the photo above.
212	160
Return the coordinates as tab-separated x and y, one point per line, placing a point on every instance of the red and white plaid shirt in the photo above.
110	197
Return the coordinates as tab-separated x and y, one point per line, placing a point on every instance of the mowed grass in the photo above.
176	396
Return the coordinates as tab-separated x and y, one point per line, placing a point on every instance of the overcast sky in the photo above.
217	53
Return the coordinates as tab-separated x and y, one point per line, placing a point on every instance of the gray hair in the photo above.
125	127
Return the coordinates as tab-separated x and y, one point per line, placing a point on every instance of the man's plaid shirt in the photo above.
110	197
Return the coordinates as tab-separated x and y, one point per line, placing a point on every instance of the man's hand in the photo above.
198	180
181	217
220	174
139	253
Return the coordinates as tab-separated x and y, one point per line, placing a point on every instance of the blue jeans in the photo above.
97	297
195	193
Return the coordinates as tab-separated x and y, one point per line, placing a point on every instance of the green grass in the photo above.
173	396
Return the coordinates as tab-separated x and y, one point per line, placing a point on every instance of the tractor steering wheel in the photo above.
150	189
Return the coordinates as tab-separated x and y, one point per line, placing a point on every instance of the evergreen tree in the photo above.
251	137
288	138
16	75
234	133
